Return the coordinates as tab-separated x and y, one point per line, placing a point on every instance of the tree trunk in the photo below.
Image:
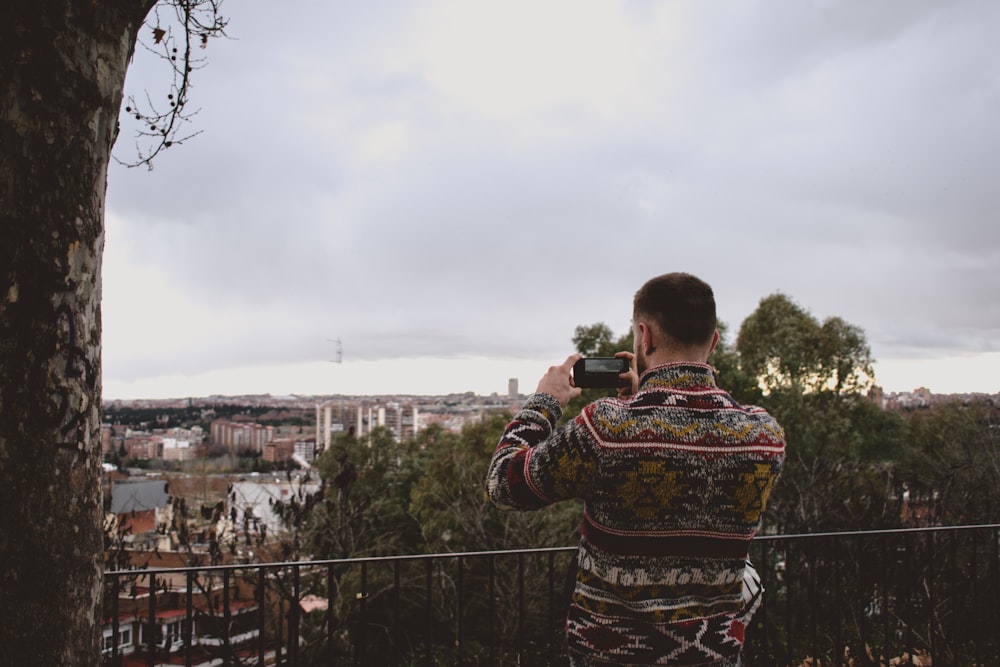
62	68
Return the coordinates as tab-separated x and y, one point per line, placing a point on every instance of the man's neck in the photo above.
662	357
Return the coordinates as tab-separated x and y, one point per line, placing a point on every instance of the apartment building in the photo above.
241	436
362	417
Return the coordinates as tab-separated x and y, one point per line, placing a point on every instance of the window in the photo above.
173	632
124	639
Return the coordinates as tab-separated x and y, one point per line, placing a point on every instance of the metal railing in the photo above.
875	598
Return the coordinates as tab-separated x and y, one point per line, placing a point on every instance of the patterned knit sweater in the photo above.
674	479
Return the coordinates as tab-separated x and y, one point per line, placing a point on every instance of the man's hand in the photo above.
558	381
632	375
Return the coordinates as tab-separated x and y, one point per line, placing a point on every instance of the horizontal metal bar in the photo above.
514	552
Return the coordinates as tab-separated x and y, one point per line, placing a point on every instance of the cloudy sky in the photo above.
450	187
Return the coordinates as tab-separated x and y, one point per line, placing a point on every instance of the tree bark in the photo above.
62	69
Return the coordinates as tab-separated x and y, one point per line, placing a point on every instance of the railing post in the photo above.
362	599
397	654
551	604
115	622
460	609
995	585
280	620
975	604
790	595
952	593
261	615
813	599
886	600
838	602
227	619
329	613
520	604
151	634
294	612
189	620
429	612
767	583
491	608
929	584
907	592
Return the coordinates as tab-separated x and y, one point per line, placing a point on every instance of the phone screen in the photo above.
615	365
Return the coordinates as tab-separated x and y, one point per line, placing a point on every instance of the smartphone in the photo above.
600	372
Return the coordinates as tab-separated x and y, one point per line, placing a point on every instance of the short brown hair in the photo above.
681	305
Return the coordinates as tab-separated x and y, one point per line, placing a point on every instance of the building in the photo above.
362	417
239	436
178	450
254	500
143	446
512	391
305	450
135	509
402	419
329	421
137	633
279	450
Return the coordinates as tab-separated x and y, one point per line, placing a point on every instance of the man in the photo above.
675	476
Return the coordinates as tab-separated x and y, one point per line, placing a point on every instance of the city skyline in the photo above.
431	378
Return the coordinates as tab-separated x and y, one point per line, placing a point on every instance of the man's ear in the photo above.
715	341
646	341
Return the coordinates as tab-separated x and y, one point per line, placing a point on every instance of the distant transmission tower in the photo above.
339	359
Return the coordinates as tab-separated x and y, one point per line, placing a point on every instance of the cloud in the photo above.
444	178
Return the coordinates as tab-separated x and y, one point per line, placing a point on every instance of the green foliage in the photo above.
596	340
427	494
449	500
363	509
839	472
729	373
846	361
951	471
785	347
777	344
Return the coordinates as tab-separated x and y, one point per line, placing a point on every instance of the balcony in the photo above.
902	597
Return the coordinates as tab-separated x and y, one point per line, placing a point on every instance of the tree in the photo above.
360	510
595	340
812	377
777	344
363	509
786	348
729	373
845	358
450	502
62	68
161	121
951	470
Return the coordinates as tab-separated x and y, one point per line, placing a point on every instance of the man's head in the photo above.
673	318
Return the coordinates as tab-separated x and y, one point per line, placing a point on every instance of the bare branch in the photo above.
174	29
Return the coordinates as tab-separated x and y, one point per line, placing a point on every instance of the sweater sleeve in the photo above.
536	464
